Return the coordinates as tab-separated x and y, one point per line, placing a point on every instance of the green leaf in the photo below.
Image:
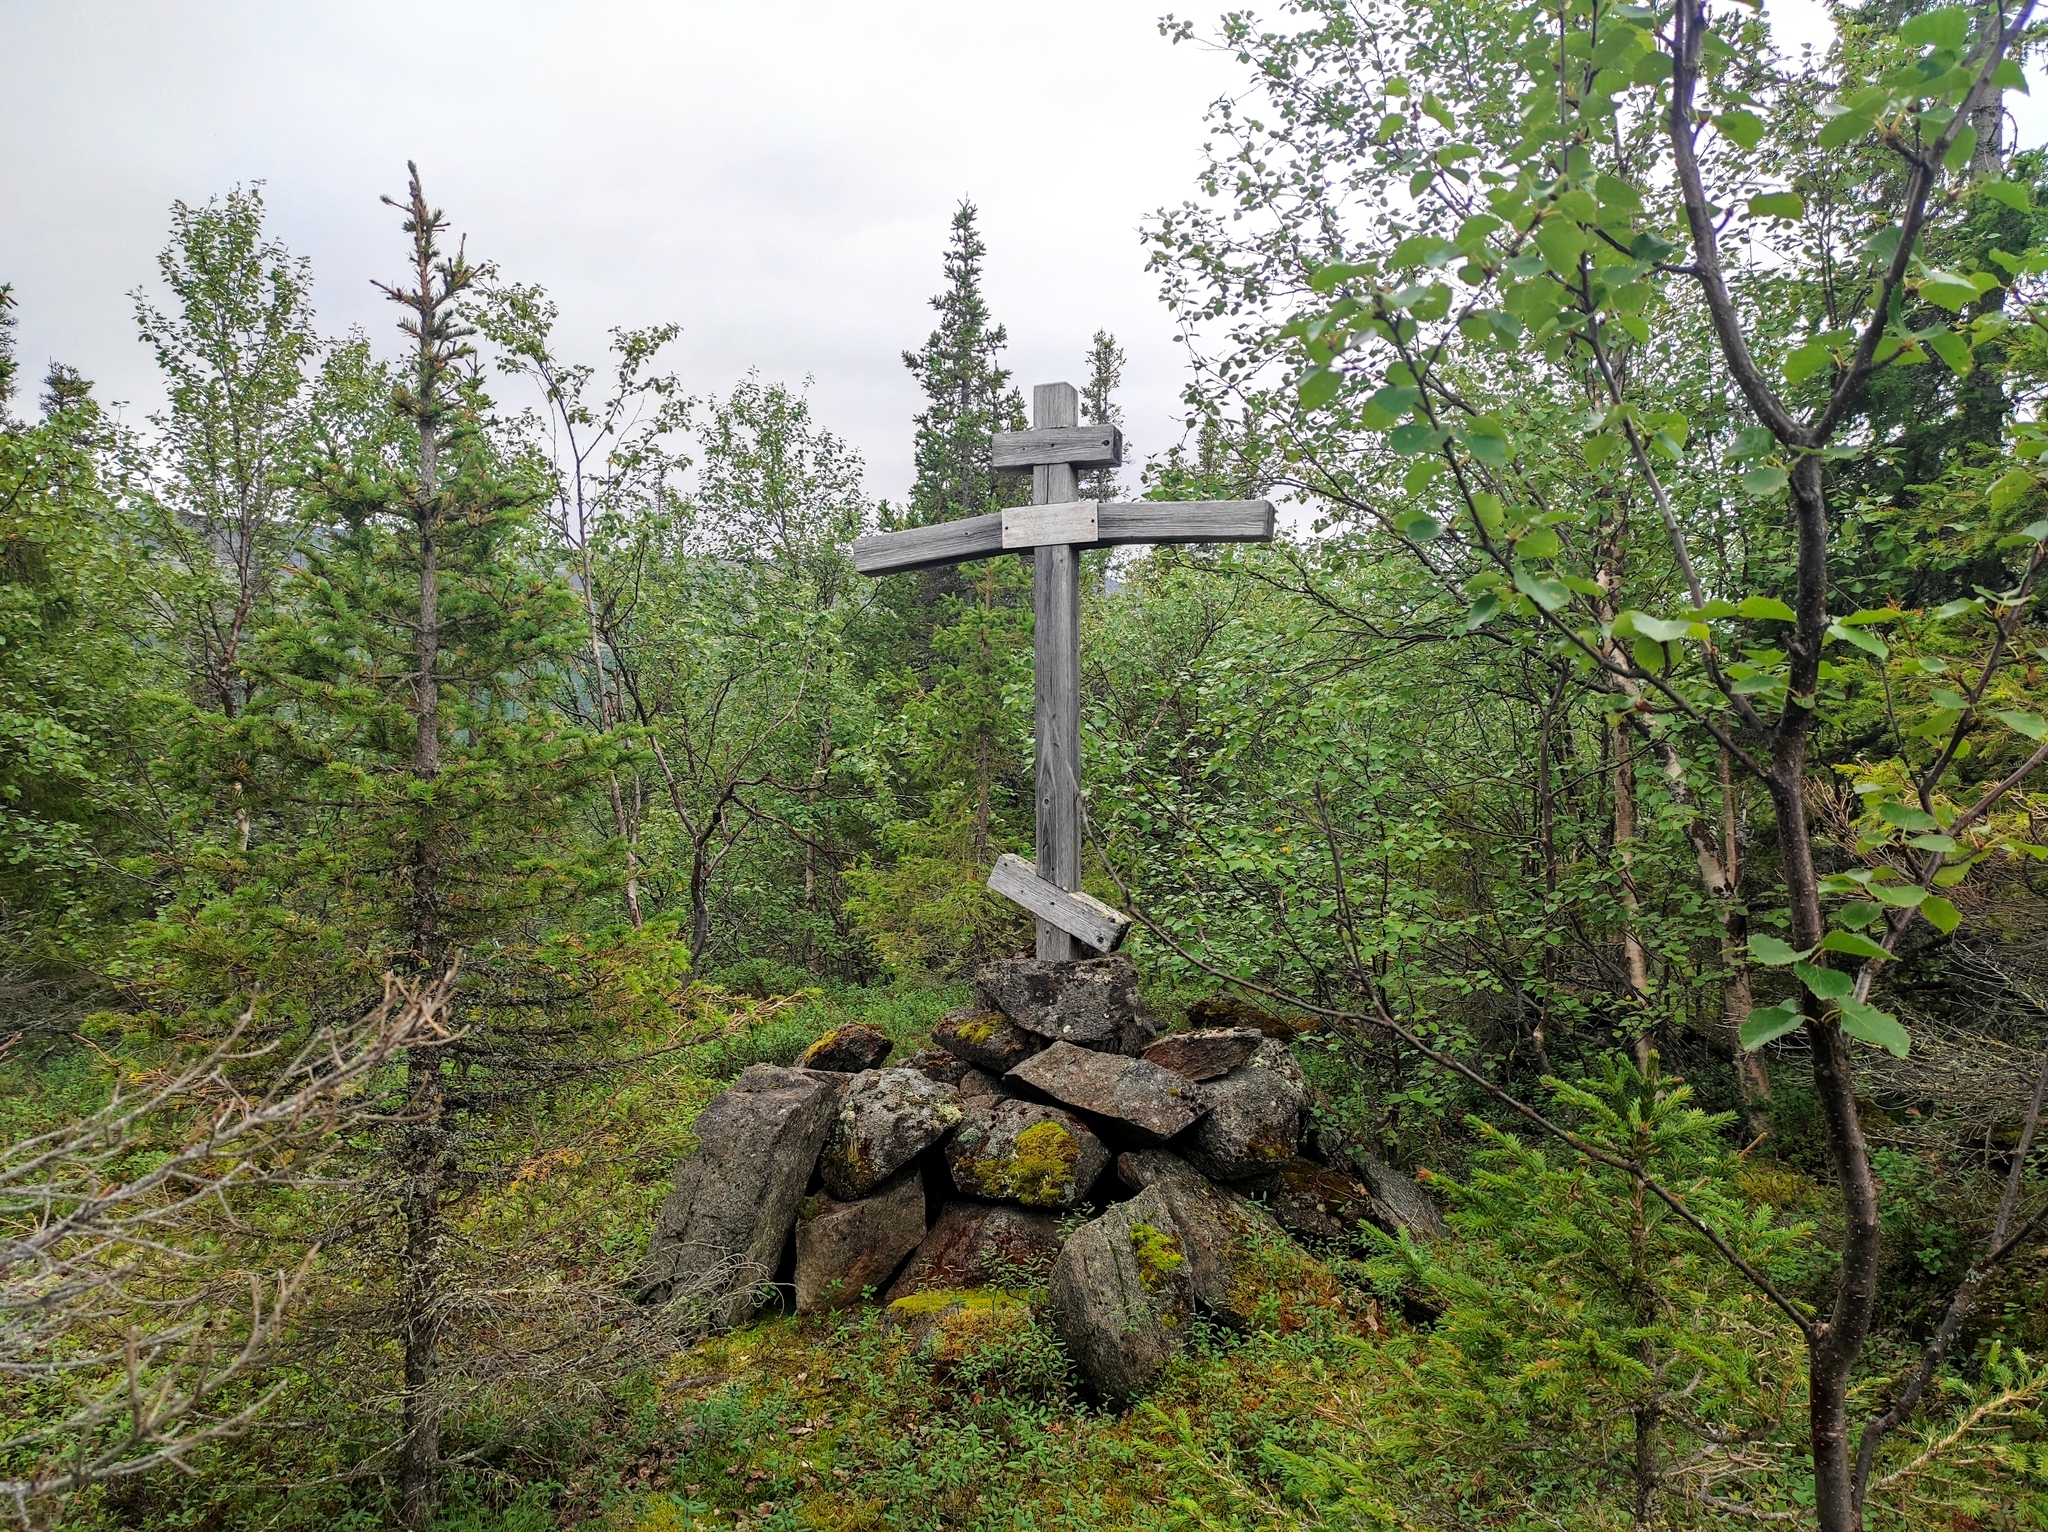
1942	843
1953	348
1766	1023
1562	243
1846	129
1768	480
2011	193
1665	630
1787	205
1483	611
1419	526
1961	149
1828	983
1873	1026
1809	359
1547	593
1539	543
1948	289
1771	951
1905	895
2024	723
1941	915
1852	945
1869	643
1906	817
1413	437
1759	608
1649	656
1744	129
1598	449
1319	388
1946	29
1486	441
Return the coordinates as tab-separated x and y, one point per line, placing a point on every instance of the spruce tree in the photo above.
1099	408
968	392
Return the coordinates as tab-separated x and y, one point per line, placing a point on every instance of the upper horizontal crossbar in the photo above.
1144	521
1076	446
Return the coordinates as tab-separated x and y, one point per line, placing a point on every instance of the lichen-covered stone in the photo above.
1254	1120
845	1248
887	1119
982	1244
1221	1232
848	1049
1019	1151
1122	1296
1208	1054
721	1230
1093	1001
985	1039
1148	1102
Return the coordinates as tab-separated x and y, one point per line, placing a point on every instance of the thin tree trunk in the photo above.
1635	959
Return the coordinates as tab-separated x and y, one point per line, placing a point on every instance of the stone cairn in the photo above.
1052	1138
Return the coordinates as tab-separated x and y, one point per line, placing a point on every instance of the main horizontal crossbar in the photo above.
1076	446
1142	521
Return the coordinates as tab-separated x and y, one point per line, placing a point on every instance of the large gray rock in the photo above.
985	1039
720	1232
981	1244
1207	1054
1093	1001
1255	1117
848	1049
1151	1103
1220	1231
843	1248
887	1119
1019	1151
1122	1296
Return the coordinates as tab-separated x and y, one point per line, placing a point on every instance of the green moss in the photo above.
971	1299
1038	1171
981	1028
1158	1254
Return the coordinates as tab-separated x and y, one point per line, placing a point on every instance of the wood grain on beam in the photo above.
1075	446
1184	521
1078	915
945	542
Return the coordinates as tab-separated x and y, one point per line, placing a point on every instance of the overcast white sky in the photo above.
775	178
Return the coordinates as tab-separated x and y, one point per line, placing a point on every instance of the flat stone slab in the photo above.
887	1118
985	1039
1255	1117
1207	1054
1020	1151
846	1248
1122	1296
848	1049
720	1232
981	1244
1091	1001
1401	1200
1154	1103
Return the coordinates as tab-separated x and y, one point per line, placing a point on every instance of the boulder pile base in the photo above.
1051	1140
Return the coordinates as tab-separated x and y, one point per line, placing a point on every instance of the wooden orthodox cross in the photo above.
1056	527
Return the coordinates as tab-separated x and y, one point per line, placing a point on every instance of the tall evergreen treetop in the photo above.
1099	408
968	390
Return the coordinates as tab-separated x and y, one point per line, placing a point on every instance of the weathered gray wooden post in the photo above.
1058	528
